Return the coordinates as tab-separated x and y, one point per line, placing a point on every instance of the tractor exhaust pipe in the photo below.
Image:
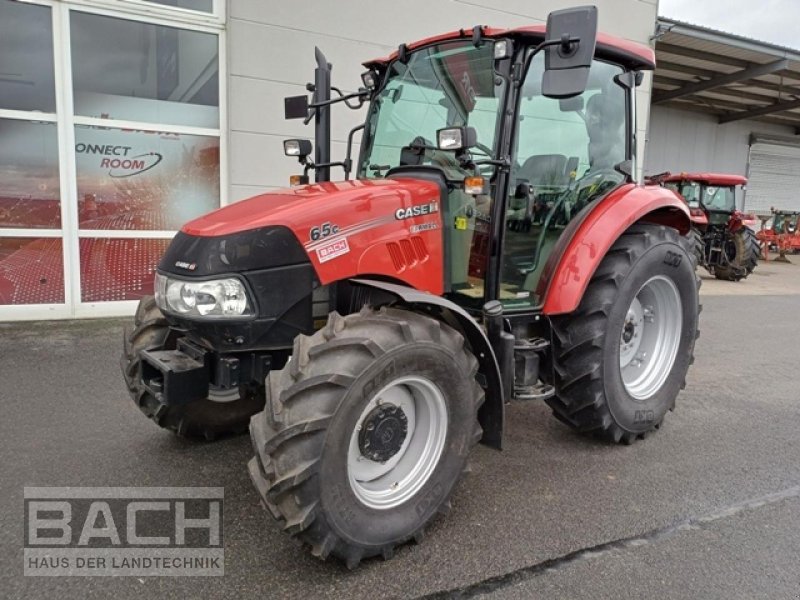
322	116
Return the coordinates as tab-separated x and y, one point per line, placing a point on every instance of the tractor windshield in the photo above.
711	197
690	190
719	198
446	85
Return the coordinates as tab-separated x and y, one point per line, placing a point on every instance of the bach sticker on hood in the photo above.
334	249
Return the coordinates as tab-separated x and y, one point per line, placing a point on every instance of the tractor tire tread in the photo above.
203	419
288	450
580	400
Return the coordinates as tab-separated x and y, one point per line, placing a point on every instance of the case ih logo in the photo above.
186	265
123	531
416	211
117	160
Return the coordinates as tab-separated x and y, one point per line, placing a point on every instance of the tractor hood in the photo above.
341	204
386	227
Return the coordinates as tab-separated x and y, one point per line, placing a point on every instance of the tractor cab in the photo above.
785	222
521	130
712	194
553	158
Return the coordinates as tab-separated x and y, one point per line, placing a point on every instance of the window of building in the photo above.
30	194
135	71
109	143
26	57
198	5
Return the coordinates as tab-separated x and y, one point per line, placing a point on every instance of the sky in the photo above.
775	21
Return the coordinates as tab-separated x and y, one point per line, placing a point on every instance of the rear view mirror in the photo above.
295	107
573	34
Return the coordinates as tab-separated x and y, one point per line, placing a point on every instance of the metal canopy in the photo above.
726	75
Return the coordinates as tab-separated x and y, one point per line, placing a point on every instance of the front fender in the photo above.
491	414
588	237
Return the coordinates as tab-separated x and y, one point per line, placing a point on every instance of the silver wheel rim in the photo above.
650	337
385	485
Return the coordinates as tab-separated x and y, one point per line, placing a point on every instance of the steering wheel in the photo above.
574	199
585	187
605	172
486	151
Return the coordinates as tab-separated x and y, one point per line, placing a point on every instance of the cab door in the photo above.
563	158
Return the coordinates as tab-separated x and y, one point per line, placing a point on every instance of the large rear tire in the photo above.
366	432
699	246
216	416
745	250
621	358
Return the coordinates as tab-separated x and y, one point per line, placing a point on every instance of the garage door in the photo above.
774	178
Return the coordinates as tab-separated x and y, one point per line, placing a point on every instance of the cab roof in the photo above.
708	178
630	54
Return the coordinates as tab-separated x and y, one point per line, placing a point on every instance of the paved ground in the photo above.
709	507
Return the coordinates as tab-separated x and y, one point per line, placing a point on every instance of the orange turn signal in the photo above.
295	180
474	185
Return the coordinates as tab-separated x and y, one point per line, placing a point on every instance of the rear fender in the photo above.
588	238
698	217
740	219
492	412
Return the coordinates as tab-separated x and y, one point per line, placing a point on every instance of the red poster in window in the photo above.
31	271
118	269
137	180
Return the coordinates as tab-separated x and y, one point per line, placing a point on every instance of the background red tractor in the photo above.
725	241
782	235
494	246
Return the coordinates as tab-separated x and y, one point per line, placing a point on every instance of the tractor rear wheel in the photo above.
743	251
621	358
218	415
366	432
699	246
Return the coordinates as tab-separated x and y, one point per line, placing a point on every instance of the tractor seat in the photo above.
544	169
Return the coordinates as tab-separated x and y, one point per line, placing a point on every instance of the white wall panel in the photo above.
681	140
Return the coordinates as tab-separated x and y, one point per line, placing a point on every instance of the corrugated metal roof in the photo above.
700	67
736	38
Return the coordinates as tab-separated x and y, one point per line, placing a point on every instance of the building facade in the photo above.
725	103
122	119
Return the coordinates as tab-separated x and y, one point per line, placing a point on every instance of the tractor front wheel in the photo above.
621	358
366	432
742	250
220	414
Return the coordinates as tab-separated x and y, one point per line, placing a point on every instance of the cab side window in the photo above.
564	158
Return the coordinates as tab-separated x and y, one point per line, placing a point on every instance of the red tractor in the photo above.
782	235
494	246
725	241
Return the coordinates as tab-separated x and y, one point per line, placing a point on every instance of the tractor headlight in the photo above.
216	298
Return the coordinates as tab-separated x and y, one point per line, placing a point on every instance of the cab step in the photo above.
527	357
539	391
